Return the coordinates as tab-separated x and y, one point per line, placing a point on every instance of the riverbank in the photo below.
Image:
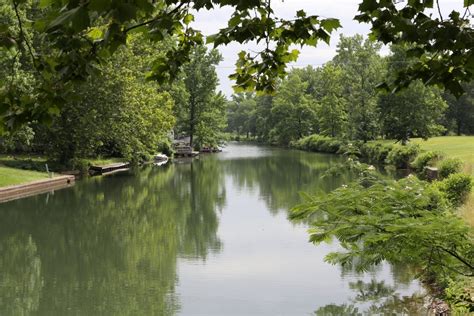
43	185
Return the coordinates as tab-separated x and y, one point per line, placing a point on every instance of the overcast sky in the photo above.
344	10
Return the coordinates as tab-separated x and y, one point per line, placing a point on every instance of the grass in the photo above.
12	176
461	147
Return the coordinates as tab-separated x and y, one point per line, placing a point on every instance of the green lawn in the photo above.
461	147
11	176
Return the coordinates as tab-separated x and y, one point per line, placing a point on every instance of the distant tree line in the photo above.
343	99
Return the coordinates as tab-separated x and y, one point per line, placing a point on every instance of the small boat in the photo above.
160	159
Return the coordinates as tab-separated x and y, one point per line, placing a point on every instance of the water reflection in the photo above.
378	298
110	245
200	238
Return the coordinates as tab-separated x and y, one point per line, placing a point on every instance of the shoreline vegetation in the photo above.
420	220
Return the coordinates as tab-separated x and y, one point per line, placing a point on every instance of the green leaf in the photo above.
188	19
301	14
95	33
81	20
330	24
45	3
64	18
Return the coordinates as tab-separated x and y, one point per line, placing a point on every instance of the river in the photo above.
204	237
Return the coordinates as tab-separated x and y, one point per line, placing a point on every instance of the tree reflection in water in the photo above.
109	246
375	298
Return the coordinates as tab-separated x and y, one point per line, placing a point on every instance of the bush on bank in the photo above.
393	154
449	166
424	160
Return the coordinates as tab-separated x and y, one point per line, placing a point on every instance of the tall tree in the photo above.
412	112
113	113
363	70
199	105
294	111
332	106
241	114
263	117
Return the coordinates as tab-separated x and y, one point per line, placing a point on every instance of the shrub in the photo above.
318	143
375	152
424	160
19	141
456	187
165	148
401	156
448	167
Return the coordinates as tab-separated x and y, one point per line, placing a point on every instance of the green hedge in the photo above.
397	155
319	143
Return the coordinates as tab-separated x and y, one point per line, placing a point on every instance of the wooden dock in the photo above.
37	187
107	169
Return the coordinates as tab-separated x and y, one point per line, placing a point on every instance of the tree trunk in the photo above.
192	118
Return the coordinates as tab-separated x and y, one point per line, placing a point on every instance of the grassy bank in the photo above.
12	176
461	147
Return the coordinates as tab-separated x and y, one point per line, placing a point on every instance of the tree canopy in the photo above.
65	40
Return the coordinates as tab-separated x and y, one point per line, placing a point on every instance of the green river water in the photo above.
204	237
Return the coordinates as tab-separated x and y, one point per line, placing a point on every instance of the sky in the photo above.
209	23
